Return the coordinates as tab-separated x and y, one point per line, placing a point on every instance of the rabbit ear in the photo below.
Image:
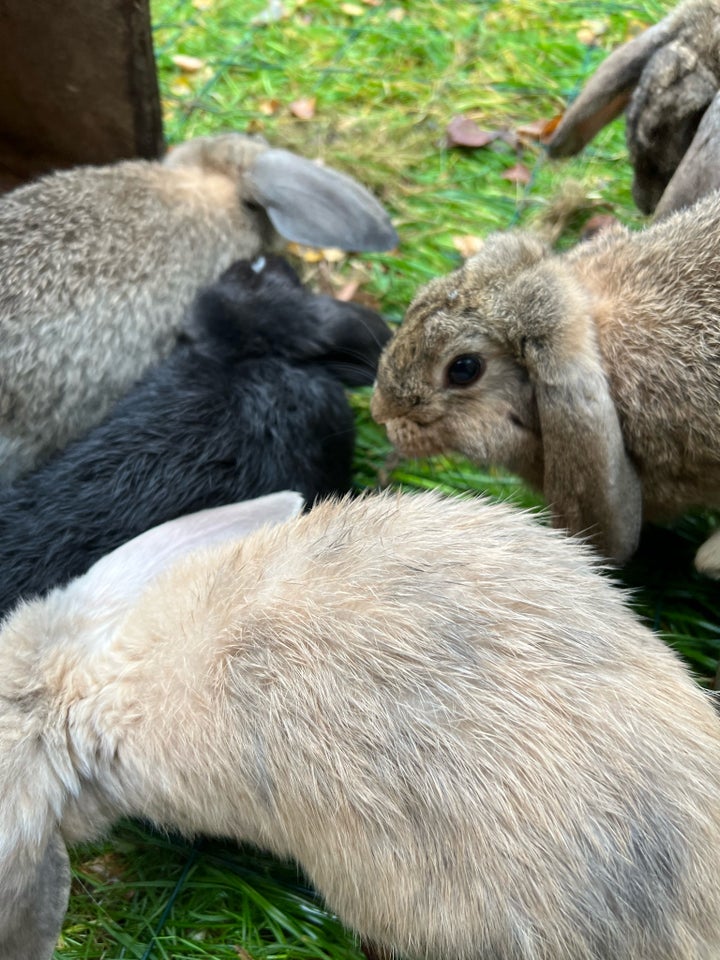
589	482
121	576
608	91
698	172
314	205
31	917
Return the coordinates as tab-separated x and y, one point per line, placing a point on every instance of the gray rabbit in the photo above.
98	266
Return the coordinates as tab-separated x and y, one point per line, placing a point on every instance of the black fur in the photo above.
252	402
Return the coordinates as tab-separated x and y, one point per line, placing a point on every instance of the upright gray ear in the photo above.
32	912
699	171
317	206
607	92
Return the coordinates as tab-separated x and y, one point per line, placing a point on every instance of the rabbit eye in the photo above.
465	370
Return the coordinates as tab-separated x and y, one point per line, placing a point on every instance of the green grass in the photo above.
386	83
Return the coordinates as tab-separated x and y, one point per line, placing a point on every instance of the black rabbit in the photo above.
251	402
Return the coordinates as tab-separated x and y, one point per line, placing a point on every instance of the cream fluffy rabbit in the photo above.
439	708
595	374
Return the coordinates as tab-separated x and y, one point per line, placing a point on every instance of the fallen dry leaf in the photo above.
517	174
467	246
269	108
464	132
347	292
304	108
352	9
203	5
590	31
188	64
396	14
538	130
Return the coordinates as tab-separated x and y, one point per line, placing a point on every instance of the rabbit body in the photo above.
253	402
600	371
99	266
439	708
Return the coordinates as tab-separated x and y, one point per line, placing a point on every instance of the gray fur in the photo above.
99	265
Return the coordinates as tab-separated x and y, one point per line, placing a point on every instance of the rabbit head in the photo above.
439	708
260	309
499	361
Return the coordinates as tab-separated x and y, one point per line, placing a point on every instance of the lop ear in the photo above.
608	91
310	204
698	172
33	904
117	580
589	482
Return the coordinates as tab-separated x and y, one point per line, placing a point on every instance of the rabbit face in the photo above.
444	383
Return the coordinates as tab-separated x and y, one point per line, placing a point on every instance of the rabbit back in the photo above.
441	710
98	267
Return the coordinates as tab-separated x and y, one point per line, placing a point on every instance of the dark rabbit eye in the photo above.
465	370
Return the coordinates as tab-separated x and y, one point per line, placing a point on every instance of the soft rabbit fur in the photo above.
439	708
600	373
667	77
98	266
253	403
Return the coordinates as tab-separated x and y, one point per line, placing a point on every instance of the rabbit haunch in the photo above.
98	266
597	378
439	708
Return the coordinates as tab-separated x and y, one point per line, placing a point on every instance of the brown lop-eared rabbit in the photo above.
594	374
99	266
439	708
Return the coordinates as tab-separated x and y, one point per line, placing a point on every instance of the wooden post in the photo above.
77	85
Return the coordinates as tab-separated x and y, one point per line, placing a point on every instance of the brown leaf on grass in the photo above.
304	108
539	130
517	174
352	9
467	246
242	952
187	63
348	291
590	31
269	108
396	14
464	132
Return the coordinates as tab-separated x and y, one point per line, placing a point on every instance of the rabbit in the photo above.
593	374
99	265
668	78
253	402
438	707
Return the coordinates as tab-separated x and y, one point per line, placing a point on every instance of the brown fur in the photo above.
667	77
438	707
602	376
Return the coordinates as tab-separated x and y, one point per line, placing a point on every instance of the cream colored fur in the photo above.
439	708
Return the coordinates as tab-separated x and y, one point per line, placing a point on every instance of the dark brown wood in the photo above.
77	85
